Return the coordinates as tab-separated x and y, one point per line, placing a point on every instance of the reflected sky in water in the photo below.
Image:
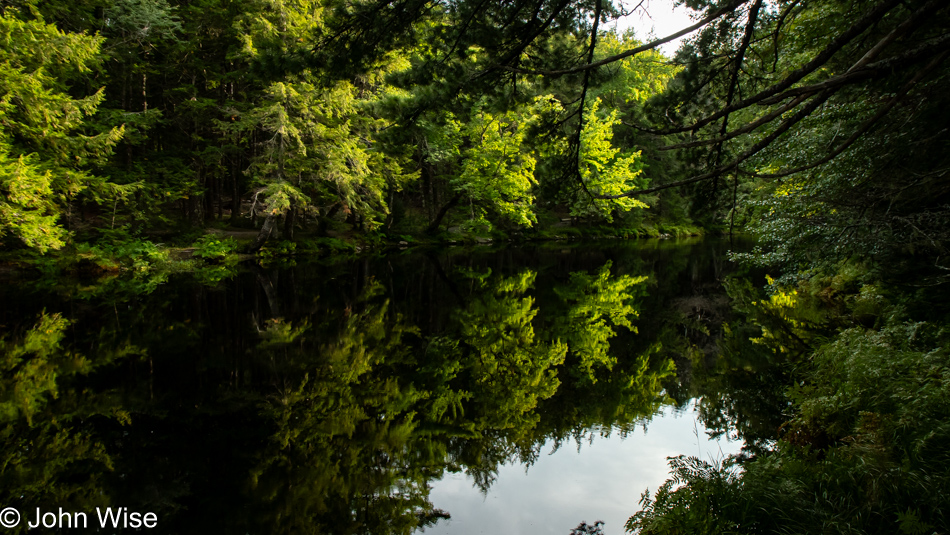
601	480
308	398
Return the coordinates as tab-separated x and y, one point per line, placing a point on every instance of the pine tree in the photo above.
44	154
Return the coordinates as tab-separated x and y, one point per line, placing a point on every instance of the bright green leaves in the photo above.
316	142
281	196
596	305
490	159
318	136
497	174
41	154
39	51
36	62
637	78
511	367
605	169
28	211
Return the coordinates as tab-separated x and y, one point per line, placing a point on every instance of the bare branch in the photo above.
748	127
728	8
867	125
820	59
765	142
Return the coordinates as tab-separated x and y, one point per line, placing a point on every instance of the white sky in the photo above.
601	480
658	18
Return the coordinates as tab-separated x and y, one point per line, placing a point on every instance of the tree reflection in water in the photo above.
316	399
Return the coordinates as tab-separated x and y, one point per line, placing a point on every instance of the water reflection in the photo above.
602	479
327	399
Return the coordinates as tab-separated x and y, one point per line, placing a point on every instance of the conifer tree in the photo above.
44	153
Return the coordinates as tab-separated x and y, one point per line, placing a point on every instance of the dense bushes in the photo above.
864	450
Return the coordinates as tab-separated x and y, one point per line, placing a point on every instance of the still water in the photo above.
516	390
600	480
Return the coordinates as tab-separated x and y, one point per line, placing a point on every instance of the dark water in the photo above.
331	399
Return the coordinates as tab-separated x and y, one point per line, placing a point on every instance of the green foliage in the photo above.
37	362
886	390
700	497
605	169
28	210
512	369
253	114
497	171
211	248
315	148
280	249
596	305
861	448
791	320
31	367
213	274
852	196
43	153
142	21
130	254
635	79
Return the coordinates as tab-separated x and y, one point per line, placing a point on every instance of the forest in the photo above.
145	137
816	125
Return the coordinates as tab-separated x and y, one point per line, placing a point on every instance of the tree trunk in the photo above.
289	221
322	228
235	196
265	232
434	226
218	186
207	198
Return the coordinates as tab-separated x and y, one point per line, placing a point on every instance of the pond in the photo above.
599	479
521	389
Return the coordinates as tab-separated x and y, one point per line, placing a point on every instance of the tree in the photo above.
604	170
596	305
44	154
757	78
497	166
